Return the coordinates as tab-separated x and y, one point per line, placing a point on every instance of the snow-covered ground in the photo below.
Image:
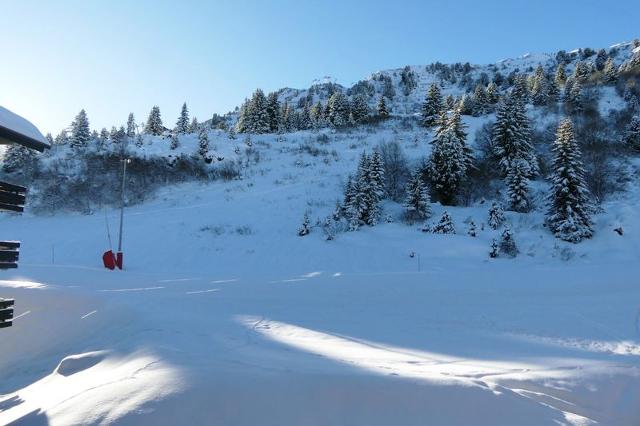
225	316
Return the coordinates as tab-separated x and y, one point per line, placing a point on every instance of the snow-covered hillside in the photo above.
224	315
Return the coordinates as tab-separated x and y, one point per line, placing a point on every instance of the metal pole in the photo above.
124	174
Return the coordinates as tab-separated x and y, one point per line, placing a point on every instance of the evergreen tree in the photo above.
493	93
338	109
376	175
466	105
18	159
553	92
444	225
203	143
260	121
471	231
359	109
131	125
305	228
568	216
104	135
610	72
383	112
154	122
80	132
450	159
518	187
511	139
520	89
573	97
432	106
418	204
193	127
175	142
561	75
273	112
349	195
507	245
496	216
317	116
182	125
480	102
493	252
601	59
632	133
581	72
539	93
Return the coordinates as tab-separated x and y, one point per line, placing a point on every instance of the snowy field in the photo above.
225	316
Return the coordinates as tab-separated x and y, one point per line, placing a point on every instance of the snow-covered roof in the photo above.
15	129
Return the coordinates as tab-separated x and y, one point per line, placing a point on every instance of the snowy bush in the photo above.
496	216
507	244
444	225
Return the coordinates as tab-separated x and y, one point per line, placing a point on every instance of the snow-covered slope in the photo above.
225	316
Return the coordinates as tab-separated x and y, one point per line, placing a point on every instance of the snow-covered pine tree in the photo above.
18	159
305	228
338	109
511	137
376	175
417	204
274	112
259	120
203	143
496	216
520	89
480	102
493	93
349	195
561	75
444	225
471	231
493	251
193	127
175	142
154	122
632	133
359	109
610	71
539	92
601	59
573	97
383	111
432	106
581	72
182	125
518	187
466	105
507	245
569	214
317	116
80	132
450	159
131	126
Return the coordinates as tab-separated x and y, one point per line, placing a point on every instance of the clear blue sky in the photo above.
119	56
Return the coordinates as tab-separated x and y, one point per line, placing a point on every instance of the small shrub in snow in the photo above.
508	244
444	226
493	252
329	228
305	228
496	216
472	229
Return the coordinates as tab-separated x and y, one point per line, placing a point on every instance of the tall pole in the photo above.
119	255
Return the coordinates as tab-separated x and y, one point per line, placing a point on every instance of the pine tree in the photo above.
561	75
450	159
182	125
175	142
480	102
193	127
632	133
581	72
203	143
573	97
338	109
511	138
507	245
493	252
493	93
520	89
496	216
601	59
383	112
260	121
539	92
568	216
610	72
518	187
359	109
444	225
432	106
131	125
305	228
418	204
471	231
80	132
349	195
18	159
154	122
273	111
553	92
376	175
